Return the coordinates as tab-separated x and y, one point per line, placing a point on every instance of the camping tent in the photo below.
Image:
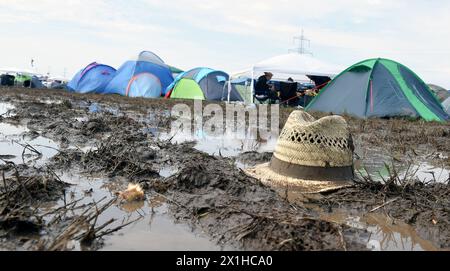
202	84
94	78
446	105
299	67
28	81
440	92
56	82
175	70
146	76
34	82
7	80
296	66
379	88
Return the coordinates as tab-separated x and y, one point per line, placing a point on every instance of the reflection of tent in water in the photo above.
446	105
94	78
379	88
202	84
440	92
146	76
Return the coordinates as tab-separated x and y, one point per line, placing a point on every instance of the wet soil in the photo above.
117	139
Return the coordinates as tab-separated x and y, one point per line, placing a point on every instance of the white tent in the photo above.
294	65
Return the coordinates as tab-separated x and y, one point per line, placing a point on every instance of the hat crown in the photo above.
324	143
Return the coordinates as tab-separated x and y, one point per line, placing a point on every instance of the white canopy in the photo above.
293	65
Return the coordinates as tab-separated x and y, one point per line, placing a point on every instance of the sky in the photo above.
64	36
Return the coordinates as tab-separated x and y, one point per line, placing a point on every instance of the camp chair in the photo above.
288	94
263	99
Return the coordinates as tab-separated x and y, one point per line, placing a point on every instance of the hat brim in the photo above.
271	178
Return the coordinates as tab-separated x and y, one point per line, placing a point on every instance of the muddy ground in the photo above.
116	139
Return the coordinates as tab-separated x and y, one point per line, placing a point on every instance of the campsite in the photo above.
156	137
92	146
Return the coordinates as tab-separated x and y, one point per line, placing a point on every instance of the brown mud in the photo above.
116	139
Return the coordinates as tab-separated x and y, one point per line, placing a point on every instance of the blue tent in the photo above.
147	76
92	79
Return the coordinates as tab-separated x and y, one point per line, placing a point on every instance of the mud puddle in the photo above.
429	173
368	161
201	190
5	108
421	171
19	145
386	234
168	171
151	226
228	145
50	101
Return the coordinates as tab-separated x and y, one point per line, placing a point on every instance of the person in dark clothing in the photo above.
288	93
262	88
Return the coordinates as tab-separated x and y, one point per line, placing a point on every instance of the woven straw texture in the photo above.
308	142
322	143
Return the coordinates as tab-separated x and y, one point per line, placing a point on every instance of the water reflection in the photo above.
227	145
385	233
5	108
155	230
17	148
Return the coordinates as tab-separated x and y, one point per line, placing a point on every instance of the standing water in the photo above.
153	228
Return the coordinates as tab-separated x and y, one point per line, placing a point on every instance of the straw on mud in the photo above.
17	176
48	147
170	200
341	235
27	147
4	184
383	205
117	228
64	207
87	217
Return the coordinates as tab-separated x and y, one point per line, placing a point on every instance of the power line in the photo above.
303	44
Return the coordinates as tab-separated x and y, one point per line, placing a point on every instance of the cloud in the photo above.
233	34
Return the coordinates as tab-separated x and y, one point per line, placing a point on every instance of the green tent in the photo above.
21	79
203	84
379	88
187	89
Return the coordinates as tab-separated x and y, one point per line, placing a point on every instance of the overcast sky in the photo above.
228	35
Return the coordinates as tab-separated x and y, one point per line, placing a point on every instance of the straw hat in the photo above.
312	156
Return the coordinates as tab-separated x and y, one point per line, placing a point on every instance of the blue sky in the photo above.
228	35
